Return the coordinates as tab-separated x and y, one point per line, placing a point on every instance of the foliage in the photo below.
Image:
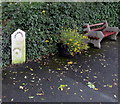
43	21
74	40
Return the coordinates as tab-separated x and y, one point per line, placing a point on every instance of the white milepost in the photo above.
18	47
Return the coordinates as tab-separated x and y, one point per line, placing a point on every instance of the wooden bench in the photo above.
97	34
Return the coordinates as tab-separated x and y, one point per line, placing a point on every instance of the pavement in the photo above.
41	81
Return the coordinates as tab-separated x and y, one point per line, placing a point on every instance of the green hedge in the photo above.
43	21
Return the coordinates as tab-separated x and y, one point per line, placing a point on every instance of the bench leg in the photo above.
113	37
96	43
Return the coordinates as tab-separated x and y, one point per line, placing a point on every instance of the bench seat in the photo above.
107	33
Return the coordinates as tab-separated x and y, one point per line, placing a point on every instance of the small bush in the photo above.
74	40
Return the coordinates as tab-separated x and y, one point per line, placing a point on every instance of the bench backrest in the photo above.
87	27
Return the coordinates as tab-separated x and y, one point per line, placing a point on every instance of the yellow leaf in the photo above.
81	90
61	89
72	54
40	94
21	87
96	89
43	11
58	69
110	86
31	97
31	69
70	39
70	62
47	41
95	76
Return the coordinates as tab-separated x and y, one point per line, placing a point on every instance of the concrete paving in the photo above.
39	81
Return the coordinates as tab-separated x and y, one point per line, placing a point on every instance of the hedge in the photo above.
44	20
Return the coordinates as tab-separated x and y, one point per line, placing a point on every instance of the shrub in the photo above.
74	40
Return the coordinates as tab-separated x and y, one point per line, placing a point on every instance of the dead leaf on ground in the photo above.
70	62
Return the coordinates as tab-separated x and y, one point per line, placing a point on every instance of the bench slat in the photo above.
91	37
100	28
97	24
107	33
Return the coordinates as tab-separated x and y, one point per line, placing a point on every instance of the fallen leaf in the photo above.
104	85
110	86
115	96
82	97
91	85
51	87
95	76
104	66
75	93
58	69
42	98
81	72
91	98
23	84
25	77
12	99
31	69
81	90
61	87
68	88
40	93
96	89
25	90
70	62
115	84
21	87
31	97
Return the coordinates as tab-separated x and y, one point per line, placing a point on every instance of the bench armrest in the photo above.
97	34
113	29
